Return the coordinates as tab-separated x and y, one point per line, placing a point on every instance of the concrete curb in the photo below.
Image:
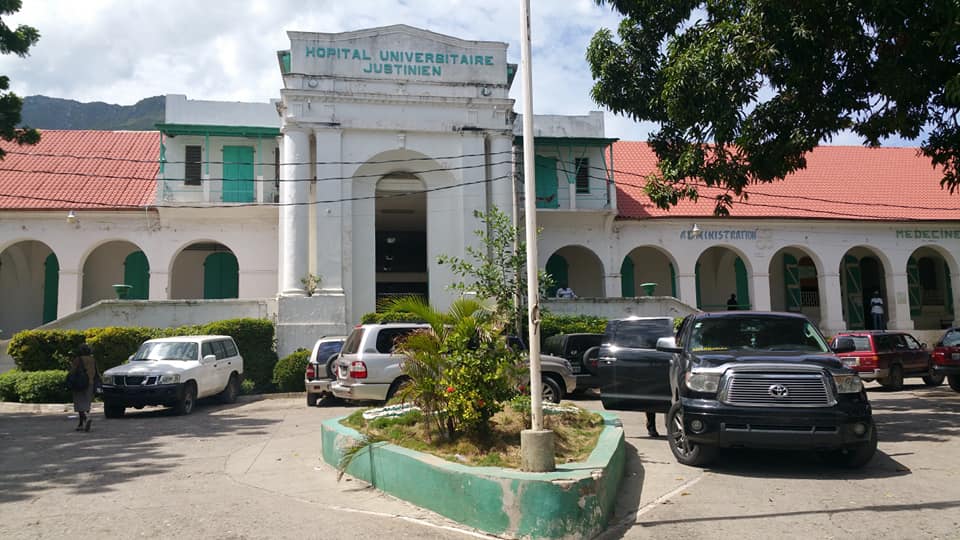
573	502
97	406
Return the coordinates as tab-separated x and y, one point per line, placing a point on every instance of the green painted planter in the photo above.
575	501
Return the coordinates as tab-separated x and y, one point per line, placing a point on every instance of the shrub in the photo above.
37	350
114	344
254	338
379	318
8	385
42	387
551	325
288	373
247	387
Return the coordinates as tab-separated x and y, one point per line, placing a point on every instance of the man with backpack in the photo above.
82	380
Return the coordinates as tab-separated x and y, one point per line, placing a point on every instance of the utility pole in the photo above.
536	444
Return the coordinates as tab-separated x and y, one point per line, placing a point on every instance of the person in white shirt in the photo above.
876	311
565	292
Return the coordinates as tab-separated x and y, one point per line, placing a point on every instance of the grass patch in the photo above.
576	433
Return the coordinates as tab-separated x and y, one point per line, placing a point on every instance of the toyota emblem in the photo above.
778	391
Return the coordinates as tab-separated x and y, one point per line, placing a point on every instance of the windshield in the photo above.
167	350
757	332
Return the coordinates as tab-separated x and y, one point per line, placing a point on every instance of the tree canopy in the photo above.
743	89
14	41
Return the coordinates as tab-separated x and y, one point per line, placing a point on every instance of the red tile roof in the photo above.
81	169
839	182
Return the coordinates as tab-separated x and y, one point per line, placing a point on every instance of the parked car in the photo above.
174	372
321	368
557	377
888	356
763	380
633	374
946	357
582	351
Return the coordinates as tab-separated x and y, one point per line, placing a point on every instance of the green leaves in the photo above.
14	41
743	89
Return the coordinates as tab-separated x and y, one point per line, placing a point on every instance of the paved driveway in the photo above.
252	470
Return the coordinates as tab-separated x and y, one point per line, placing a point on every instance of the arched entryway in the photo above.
578	268
794	283
862	274
29	285
721	272
115	263
401	237
205	270
648	267
930	289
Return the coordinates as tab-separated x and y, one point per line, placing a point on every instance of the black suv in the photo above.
633	373
582	351
765	380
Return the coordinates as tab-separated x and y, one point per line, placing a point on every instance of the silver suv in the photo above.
368	368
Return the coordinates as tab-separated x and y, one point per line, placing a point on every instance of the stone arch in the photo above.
584	270
104	266
795	276
645	265
28	286
930	287
863	270
191	277
720	271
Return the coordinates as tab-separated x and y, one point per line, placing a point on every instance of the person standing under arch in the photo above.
876	311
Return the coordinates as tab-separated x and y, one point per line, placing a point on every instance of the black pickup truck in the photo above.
751	379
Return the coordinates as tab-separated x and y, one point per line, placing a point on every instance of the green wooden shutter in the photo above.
221	276
913	287
557	268
673	281
743	284
696	279
854	286
237	174
136	273
546	173
51	287
628	287
791	282
948	287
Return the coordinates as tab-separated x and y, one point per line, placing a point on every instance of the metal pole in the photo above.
530	209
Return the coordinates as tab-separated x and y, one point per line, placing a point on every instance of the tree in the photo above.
17	42
498	268
743	89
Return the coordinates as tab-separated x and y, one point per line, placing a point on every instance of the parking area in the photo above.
253	470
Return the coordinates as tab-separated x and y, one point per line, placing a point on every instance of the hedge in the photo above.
289	371
35	386
380	318
551	325
39	350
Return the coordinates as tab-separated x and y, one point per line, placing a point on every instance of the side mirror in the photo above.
668	344
844	345
208	359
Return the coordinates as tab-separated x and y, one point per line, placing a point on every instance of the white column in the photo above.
294	213
761	292
898	303
831	303
501	150
612	285
159	285
69	291
687	287
329	215
572	191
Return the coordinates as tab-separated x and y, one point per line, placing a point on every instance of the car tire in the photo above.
187	399
857	456
113	410
894	381
551	390
397	387
685	451
231	391
933	379
312	399
954	382
331	361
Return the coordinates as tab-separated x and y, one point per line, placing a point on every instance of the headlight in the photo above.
169	379
847	384
703	382
106	379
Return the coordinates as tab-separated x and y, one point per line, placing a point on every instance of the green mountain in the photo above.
44	112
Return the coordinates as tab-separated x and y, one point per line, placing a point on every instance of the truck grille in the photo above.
777	390
129	380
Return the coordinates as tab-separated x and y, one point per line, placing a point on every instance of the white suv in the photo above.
368	368
174	372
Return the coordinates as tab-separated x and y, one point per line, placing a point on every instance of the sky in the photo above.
121	51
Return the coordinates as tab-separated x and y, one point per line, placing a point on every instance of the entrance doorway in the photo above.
401	237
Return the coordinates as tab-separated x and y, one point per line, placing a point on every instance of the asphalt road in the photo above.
252	470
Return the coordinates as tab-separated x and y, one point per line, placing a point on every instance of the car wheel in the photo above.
229	394
331	366
895	380
933	379
312	399
188	398
954	382
551	390
113	410
398	387
859	455
686	451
